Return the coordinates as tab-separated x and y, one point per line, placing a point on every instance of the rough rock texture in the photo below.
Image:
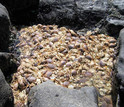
7	65
119	4
120	68
71	12
48	94
6	96
21	11
79	14
4	28
17	5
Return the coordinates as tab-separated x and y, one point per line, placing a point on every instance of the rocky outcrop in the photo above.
119	4
77	14
120	69
48	94
71	12
7	65
22	11
17	5
4	28
6	96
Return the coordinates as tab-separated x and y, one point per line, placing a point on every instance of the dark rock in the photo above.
90	12
59	12
6	96
22	11
7	63
48	94
114	25
17	5
73	12
120	69
4	28
119	4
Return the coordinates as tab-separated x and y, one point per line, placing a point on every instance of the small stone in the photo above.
31	79
55	39
82	38
70	46
49	60
66	83
88	74
62	63
83	80
112	40
112	45
68	64
108	99
40	39
40	47
51	66
48	74
102	64
68	34
74	72
88	57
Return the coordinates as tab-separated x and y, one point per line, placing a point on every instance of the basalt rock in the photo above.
120	69
119	4
21	11
114	25
4	28
48	94
70	12
59	12
7	65
6	96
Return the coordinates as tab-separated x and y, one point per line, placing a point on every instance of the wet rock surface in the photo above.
49	94
6	95
4	28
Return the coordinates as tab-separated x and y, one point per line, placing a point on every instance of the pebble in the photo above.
31	79
66	58
51	66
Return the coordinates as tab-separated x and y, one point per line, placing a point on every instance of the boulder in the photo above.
114	24
90	12
7	63
119	4
120	68
21	11
4	28
60	12
48	94
6	95
74	13
17	5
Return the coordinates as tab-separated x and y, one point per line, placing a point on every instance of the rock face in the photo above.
71	12
6	96
17	5
21	11
77	14
7	65
4	28
119	4
120	68
48	94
